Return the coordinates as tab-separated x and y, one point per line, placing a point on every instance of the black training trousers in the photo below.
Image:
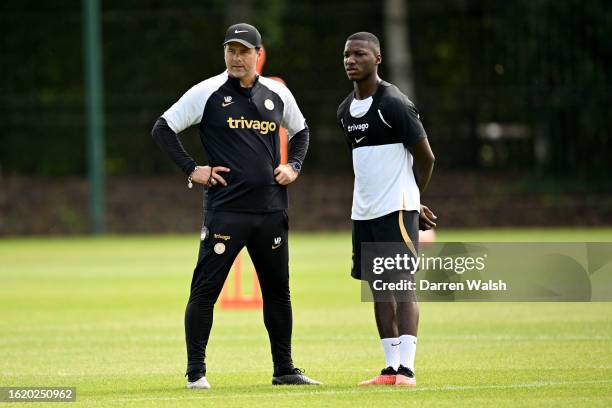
224	234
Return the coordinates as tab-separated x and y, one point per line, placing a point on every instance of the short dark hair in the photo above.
365	36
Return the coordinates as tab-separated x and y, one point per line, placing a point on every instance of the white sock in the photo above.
392	352
407	350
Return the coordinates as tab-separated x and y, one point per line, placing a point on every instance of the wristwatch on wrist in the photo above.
296	166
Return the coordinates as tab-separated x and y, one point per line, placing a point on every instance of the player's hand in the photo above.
284	174
209	176
426	218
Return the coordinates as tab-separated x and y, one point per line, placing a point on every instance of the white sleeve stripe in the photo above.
171	124
383	119
292	120
188	110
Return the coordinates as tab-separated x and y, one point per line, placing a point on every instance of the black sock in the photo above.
279	371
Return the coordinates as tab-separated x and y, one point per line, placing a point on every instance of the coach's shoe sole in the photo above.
201	384
380	380
294	379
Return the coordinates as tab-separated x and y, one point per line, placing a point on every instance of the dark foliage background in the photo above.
540	66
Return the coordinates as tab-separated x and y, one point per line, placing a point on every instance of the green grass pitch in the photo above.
106	316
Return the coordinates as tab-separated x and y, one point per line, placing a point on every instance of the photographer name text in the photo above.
473	285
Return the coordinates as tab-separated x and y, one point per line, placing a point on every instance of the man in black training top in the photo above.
392	162
238	114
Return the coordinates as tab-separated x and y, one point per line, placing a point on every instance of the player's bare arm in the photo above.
423	167
423	162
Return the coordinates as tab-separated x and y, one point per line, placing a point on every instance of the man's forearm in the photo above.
169	142
422	173
422	163
298	147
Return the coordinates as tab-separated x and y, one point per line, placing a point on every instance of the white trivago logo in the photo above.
361	126
240	31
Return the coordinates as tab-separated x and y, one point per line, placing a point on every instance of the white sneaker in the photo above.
201	384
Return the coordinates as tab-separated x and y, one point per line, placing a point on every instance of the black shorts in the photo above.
398	226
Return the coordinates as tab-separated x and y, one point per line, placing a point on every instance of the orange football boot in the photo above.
386	377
